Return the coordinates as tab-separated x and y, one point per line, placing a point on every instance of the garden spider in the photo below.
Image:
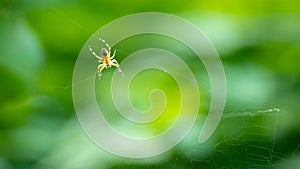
105	60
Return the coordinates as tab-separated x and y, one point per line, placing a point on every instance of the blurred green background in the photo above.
259	45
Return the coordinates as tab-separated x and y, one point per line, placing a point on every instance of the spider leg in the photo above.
100	68
98	57
106	44
116	64
113	54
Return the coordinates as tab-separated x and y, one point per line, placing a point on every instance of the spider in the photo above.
105	60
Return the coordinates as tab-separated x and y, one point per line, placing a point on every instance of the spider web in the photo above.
247	137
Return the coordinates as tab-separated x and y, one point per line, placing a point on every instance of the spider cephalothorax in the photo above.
105	60
104	52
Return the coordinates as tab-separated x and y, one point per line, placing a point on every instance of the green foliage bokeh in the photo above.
259	45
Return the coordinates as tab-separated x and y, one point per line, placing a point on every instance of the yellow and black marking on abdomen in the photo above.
105	61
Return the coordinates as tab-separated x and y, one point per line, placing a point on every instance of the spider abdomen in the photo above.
106	61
